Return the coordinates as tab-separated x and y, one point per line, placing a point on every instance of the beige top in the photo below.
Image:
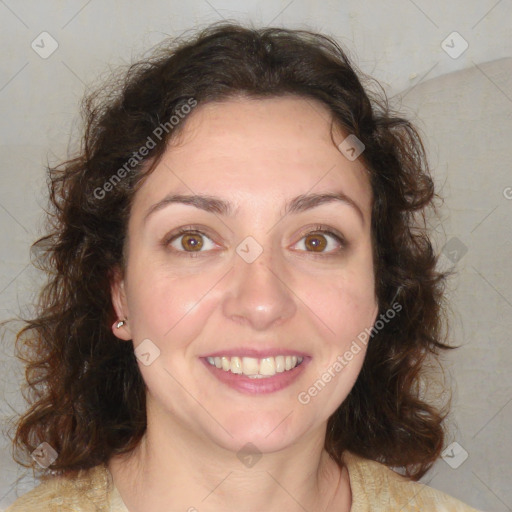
374	486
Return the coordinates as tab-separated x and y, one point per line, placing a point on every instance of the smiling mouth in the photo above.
255	368
254	382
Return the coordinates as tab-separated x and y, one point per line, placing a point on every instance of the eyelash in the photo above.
319	229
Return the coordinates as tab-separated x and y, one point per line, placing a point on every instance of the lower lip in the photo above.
247	385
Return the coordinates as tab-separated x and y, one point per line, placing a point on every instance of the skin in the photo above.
257	154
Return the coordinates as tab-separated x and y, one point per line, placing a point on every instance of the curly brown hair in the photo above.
85	390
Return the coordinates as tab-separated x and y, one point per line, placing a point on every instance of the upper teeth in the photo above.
252	366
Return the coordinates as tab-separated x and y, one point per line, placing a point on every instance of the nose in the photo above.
259	295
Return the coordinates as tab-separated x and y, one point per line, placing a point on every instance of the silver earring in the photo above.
120	324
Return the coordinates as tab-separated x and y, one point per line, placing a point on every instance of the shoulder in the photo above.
87	491
375	487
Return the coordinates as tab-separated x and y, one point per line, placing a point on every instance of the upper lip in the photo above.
256	353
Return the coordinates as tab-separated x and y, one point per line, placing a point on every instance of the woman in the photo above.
243	292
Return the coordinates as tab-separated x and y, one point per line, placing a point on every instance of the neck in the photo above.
174	472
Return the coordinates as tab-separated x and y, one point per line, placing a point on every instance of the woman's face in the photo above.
255	277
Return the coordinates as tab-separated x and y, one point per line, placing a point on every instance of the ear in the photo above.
119	302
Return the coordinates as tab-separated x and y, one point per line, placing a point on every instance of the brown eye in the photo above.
188	242
322	241
315	242
193	242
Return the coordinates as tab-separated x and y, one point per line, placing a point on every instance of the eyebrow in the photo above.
217	205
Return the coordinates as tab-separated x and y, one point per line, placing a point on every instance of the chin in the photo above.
260	432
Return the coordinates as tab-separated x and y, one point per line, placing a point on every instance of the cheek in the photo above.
347	306
347	316
164	306
345	302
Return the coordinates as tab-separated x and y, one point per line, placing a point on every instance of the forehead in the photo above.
263	149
